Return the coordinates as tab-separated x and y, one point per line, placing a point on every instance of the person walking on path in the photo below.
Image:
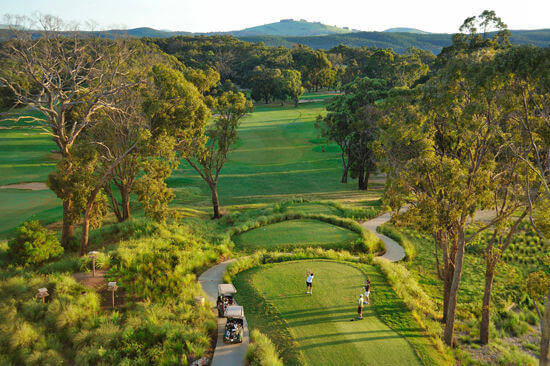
360	307
309	283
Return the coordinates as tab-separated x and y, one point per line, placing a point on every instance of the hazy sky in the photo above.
225	15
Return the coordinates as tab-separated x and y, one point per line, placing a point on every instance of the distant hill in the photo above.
291	28
398	41
406	30
288	32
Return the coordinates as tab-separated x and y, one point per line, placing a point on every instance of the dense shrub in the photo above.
156	322
34	244
261	351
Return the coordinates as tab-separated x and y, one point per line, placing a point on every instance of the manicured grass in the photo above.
278	156
295	233
25	156
316	329
18	205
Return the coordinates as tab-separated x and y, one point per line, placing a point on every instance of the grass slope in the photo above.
295	233
316	330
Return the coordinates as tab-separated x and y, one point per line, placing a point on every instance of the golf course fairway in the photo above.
317	329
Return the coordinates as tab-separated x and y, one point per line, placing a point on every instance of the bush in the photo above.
34	244
261	351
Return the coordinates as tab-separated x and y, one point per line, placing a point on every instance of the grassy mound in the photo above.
316	329
296	233
367	243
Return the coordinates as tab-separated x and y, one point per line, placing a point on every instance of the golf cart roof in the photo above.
226	289
234	311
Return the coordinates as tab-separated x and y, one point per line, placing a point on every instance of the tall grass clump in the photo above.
261	351
417	301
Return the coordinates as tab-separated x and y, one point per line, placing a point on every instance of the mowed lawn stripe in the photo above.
321	322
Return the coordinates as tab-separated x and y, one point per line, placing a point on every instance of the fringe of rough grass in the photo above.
263	257
356	213
419	303
261	351
392	232
369	243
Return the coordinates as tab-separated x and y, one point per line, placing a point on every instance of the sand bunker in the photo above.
309	100
33	186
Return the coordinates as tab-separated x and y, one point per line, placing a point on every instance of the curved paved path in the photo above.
225	354
394	251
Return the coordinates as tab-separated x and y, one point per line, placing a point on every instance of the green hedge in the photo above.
261	351
391	232
369	242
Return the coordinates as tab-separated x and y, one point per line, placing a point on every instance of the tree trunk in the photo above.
85	231
345	165
448	334
296	100
485	310
361	178
67	230
345	175
215	200
125	197
114	202
545	330
446	293
366	180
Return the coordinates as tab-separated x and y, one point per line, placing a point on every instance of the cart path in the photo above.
224	354
394	251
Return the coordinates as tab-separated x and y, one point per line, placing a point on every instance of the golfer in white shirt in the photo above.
309	284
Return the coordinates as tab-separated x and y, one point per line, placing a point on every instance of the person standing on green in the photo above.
309	283
360	307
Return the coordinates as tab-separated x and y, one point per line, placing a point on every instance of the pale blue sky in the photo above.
224	15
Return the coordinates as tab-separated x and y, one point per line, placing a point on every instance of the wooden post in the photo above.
111	286
93	254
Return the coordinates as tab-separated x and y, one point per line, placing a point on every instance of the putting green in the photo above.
295	233
274	298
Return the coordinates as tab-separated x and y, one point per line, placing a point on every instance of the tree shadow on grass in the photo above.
353	340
